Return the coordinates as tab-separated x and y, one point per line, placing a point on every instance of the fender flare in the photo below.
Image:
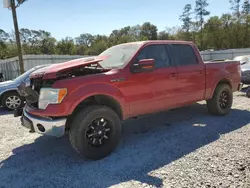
87	91
221	80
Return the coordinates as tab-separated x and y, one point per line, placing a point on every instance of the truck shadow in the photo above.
5	112
147	144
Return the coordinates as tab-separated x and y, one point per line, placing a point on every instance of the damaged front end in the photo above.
46	77
44	111
30	95
38	123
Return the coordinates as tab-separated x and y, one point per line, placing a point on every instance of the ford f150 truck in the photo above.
88	97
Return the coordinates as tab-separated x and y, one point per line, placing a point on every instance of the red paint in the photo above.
51	71
145	92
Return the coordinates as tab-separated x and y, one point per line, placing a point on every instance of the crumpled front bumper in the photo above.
42	125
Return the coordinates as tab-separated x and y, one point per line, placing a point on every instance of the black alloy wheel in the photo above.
223	100
98	132
95	131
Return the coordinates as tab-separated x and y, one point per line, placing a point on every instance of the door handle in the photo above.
172	75
201	71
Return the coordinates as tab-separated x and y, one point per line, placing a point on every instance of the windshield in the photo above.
25	75
119	55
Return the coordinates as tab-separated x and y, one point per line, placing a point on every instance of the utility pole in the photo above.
11	4
18	43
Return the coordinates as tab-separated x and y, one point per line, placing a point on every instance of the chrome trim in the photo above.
52	127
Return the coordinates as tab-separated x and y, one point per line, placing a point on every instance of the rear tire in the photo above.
11	101
222	100
91	139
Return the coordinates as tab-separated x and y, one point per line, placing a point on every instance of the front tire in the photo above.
95	132
222	100
11	101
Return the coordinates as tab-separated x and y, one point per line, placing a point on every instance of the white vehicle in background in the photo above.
245	68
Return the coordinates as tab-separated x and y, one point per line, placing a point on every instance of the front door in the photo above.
155	90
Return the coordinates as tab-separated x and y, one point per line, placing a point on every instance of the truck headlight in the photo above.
51	96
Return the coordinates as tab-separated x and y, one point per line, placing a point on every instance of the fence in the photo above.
224	54
10	67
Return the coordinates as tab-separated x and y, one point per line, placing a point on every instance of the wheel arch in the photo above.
6	92
98	99
221	81
225	81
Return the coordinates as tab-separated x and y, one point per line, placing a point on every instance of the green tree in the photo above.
148	31
66	46
46	43
134	33
3	44
37	41
163	35
100	43
85	39
235	7
201	12
246	21
227	33
125	34
213	33
187	20
246	8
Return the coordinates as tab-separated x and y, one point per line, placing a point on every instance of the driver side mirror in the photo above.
144	65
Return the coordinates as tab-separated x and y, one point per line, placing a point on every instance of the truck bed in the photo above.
215	70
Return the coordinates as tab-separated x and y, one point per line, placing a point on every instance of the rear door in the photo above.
191	73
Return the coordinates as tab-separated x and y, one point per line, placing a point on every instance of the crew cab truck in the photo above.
88	97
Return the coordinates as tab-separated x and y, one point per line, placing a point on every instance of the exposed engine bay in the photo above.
31	92
81	71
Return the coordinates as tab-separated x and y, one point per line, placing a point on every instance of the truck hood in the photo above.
51	72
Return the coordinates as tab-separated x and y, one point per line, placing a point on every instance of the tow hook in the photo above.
18	112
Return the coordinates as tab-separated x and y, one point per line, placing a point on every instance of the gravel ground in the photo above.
182	148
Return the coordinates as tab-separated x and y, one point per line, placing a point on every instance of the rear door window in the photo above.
183	54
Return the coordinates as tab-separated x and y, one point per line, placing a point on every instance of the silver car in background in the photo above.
9	97
245	68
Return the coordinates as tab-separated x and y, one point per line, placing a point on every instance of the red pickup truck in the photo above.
88	97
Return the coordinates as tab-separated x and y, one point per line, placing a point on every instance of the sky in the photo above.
73	17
